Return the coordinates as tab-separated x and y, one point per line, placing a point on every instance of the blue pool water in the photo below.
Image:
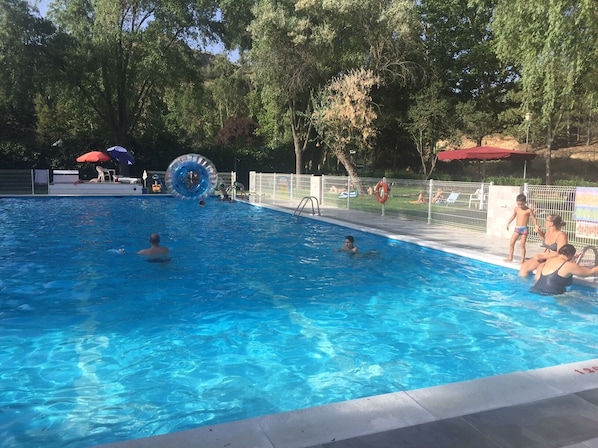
255	314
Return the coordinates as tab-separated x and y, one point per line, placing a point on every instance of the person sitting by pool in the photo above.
155	252
439	196
421	199
552	240
349	245
556	274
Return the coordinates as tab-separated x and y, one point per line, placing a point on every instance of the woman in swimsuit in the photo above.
552	240
556	274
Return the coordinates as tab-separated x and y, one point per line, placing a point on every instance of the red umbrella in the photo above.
93	157
485	153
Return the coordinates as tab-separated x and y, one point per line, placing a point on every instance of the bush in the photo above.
511	180
575	182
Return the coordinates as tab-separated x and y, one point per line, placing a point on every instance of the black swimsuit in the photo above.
552	283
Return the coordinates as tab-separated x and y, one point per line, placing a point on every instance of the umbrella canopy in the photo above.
121	154
485	153
93	157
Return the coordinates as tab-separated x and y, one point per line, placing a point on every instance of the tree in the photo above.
298	45
286	67
459	48
553	44
22	39
344	116
428	123
119	57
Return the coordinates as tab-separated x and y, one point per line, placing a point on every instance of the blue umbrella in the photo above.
121	154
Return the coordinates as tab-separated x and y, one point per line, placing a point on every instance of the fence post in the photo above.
291	187
32	182
481	204
430	192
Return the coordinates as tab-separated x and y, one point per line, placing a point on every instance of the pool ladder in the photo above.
583	252
303	204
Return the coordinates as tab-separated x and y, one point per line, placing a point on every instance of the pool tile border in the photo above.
365	416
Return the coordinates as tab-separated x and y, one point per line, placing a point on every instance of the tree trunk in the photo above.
298	152
342	158
553	124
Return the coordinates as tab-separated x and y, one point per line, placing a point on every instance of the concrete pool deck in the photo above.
550	407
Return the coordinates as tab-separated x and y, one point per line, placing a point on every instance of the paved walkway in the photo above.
552	407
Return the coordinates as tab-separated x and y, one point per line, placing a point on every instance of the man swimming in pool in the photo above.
522	214
155	252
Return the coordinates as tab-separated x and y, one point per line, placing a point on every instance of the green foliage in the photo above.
22	38
576	182
512	180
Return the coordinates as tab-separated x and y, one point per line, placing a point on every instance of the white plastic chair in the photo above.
477	197
103	175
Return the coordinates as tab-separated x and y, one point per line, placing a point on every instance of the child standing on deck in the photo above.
523	213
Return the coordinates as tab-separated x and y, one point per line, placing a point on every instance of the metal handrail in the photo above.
583	252
304	202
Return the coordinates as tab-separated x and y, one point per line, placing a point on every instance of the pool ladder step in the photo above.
308	200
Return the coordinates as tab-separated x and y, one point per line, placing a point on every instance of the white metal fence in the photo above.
464	204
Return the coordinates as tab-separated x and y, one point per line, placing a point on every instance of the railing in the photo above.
339	191
470	208
303	204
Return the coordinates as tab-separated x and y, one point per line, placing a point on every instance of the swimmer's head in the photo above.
568	250
154	238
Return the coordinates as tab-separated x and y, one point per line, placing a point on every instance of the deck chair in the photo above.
103	175
452	199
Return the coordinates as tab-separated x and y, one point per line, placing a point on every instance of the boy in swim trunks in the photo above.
522	214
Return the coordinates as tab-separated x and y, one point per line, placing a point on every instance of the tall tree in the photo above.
299	44
459	48
286	66
344	116
428	123
554	44
119	56
22	39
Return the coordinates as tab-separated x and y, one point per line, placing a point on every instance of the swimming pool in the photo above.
254	314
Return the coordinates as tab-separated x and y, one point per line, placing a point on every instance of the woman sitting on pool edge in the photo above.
557	273
552	240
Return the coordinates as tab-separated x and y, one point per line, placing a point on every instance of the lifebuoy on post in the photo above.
381	192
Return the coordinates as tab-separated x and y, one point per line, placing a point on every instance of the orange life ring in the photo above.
381	192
